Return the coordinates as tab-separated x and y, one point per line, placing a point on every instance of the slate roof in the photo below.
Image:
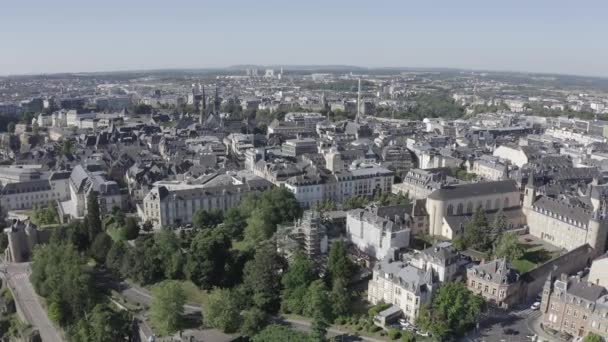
474	190
557	207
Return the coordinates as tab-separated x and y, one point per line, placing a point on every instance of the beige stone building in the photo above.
496	282
575	306
400	284
564	224
461	201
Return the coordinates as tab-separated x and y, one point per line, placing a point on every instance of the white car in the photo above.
535	306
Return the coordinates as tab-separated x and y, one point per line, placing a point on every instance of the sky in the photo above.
556	36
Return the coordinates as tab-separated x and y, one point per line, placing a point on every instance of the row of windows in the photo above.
486	289
470	209
32	197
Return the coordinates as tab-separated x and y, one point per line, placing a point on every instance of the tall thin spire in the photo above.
358	101
217	101
204	107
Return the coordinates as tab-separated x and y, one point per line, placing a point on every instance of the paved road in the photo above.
144	297
304	326
24	294
512	326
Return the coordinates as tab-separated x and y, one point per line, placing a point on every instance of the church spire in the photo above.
531	179
204	107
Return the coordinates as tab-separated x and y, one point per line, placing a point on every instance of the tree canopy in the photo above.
167	306
454	310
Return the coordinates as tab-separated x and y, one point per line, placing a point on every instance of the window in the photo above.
459	209
470	207
485	289
506	202
450	209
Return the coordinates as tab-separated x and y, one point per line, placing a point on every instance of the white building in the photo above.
365	181
378	230
175	202
402	285
27	194
84	180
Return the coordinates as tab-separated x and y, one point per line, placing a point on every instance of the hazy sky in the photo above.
39	36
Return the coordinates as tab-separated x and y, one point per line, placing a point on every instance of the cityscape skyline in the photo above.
65	36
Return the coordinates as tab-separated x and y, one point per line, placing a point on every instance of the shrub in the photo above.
394	334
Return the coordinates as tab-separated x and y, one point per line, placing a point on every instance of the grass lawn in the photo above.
534	255
115	234
194	295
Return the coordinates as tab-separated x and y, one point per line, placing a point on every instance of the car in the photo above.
403	322
535	306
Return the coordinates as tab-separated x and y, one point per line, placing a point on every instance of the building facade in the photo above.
376	231
173	203
404	286
464	200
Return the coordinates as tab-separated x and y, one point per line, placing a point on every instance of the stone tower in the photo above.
529	192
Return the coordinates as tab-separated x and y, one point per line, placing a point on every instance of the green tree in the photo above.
67	147
172	260
167	309
591	337
299	276
325	205
93	215
103	324
280	333
116	257
454	310
208	257
60	274
235	222
267	210
222	311
339	265
100	247
394	334
319	309
500	223
254	320
355	202
131	229
207	219
144	263
477	232
147	226
262	278
507	246
340	297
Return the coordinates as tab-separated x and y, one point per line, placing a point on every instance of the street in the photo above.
508	327
24	294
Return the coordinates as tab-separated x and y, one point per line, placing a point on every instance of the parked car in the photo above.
535	306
